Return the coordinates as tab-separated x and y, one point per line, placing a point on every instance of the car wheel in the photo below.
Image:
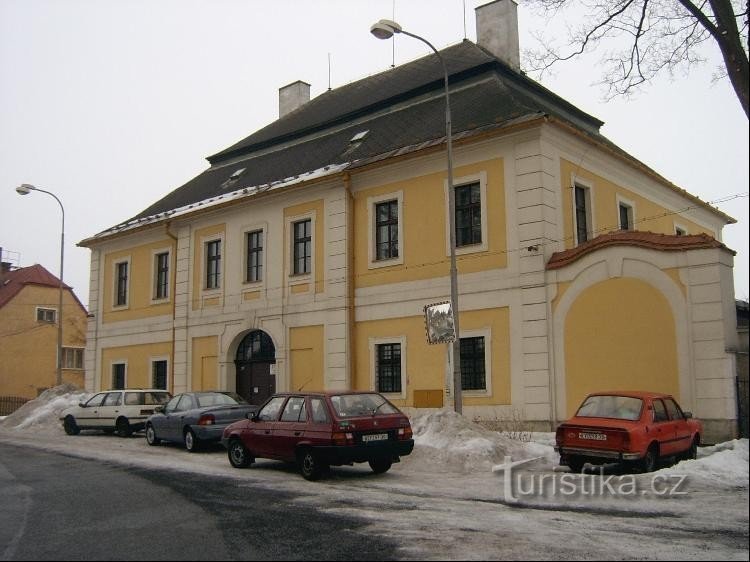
575	464
379	466
239	456
650	459
151	437
122	428
310	466
70	426
192	443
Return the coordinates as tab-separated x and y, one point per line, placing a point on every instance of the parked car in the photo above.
317	430
637	428
196	418
120	411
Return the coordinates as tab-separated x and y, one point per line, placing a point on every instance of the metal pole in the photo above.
456	345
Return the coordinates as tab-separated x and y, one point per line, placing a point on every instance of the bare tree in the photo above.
649	37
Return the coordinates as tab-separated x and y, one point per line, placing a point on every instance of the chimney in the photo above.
497	31
293	96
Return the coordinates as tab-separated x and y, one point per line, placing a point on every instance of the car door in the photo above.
175	419
664	428
109	411
290	429
259	436
87	416
683	437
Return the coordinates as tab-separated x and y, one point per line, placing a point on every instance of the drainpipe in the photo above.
174	302
350	274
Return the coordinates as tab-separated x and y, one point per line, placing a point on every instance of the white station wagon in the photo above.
120	411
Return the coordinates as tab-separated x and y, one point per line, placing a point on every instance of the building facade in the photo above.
304	256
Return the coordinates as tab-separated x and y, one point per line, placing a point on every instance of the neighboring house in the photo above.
29	303
303	257
743	373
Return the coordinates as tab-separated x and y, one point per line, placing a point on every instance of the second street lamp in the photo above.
25	189
385	29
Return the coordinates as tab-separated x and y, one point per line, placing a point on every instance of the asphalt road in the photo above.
56	507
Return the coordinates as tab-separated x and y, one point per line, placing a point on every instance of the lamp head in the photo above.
385	29
24	189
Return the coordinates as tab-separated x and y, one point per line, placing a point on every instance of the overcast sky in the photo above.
111	104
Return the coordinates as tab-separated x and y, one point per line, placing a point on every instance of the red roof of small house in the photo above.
12	282
649	240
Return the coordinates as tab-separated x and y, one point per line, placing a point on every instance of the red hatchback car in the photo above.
637	428
317	430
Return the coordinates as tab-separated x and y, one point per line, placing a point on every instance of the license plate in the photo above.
374	437
594	436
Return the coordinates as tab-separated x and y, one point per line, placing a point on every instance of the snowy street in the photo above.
445	501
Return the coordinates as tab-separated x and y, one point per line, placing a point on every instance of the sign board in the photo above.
439	323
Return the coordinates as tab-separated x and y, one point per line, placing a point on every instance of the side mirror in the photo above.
688	415
81	405
159	410
252	416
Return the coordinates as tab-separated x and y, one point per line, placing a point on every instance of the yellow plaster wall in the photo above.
205	366
138	359
605	210
140	283
424	230
318	207
306	349
619	335
200	237
426	364
28	348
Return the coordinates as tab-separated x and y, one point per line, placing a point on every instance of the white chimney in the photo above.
292	96
497	31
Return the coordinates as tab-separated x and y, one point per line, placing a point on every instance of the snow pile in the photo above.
447	441
725	463
43	412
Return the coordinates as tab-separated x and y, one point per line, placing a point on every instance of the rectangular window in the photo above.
386	230
159	374
388	367
626	216
581	211
46	315
213	264
473	375
121	299
72	358
254	256
118	376
161	289
468	215
302	246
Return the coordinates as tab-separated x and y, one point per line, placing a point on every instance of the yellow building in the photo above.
303	257
29	303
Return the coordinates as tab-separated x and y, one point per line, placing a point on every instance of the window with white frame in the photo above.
386	230
468	215
254	256
302	246
680	230
118	376
121	283
213	264
46	315
473	364
72	358
159	369
161	275
388	367
625	213
582	213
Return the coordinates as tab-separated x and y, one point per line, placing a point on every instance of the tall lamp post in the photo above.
385	29
25	189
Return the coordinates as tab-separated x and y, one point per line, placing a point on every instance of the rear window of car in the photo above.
351	405
219	399
146	398
613	407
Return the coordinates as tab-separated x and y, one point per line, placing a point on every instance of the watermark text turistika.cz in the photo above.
519	485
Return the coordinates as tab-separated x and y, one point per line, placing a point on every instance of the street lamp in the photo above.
385	29
25	189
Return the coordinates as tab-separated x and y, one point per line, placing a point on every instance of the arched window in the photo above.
256	346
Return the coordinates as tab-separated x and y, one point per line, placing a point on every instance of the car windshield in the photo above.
219	399
349	405
609	406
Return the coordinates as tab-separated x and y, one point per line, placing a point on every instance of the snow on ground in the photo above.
444	501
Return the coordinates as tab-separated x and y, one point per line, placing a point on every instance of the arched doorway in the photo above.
256	380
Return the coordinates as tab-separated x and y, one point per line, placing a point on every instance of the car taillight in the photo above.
343	439
404	433
206	419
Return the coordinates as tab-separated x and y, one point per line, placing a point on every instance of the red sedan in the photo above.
317	430
638	428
